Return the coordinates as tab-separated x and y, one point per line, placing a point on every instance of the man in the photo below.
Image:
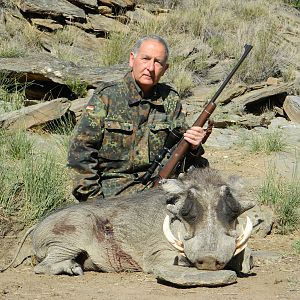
125	124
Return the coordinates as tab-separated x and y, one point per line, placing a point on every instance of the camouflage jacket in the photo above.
118	136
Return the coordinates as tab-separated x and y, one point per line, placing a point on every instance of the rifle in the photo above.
183	146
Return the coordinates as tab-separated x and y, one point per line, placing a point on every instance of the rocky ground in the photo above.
276	272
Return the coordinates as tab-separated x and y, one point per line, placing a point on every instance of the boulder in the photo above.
291	107
53	8
31	116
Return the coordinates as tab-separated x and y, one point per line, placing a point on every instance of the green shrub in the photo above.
44	185
296	246
116	49
32	183
284	197
18	145
78	87
267	142
12	92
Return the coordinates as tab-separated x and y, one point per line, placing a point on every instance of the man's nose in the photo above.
150	65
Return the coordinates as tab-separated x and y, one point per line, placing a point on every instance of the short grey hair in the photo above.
138	44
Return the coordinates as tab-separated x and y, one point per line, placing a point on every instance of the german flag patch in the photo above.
90	108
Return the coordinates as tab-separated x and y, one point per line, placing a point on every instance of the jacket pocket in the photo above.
117	140
158	134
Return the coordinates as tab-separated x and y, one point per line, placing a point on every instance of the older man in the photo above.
125	124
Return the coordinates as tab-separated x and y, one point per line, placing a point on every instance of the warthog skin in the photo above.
126	233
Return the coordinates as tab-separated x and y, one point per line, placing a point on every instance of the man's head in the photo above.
148	61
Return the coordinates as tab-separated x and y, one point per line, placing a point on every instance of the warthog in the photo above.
137	233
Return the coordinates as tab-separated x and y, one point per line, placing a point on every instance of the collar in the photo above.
136	94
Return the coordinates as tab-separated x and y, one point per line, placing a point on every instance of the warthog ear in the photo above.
172	186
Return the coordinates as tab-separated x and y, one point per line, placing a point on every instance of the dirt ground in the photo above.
276	272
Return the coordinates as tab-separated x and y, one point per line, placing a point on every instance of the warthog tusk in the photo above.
241	241
170	237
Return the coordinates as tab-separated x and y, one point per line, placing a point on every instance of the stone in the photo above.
55	8
34	115
119	3
256	96
104	24
44	67
202	278
272	81
105	10
291	107
46	24
86	3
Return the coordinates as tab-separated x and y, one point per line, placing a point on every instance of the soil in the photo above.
275	275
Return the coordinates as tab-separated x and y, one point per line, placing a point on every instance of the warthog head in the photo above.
203	213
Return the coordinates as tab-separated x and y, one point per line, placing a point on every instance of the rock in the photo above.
256	97
31	116
91	4
139	15
266	257
291	107
272	81
46	24
208	278
105	10
232	92
119	3
100	23
46	69
54	8
262	218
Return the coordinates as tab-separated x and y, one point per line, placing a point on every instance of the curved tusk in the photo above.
241	241
170	237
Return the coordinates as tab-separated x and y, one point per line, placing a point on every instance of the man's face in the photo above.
149	64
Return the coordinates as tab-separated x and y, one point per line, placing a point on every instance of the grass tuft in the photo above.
267	142
284	197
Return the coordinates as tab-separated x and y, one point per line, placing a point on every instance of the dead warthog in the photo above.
137	233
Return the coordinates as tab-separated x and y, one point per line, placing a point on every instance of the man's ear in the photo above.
131	59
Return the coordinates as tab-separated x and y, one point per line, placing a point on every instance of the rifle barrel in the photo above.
183	145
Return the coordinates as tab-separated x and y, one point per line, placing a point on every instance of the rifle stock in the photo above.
183	146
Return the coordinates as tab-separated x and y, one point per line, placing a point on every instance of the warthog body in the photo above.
126	233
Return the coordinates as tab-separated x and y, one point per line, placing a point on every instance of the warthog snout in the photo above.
209	263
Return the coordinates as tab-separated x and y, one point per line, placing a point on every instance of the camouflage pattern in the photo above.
118	136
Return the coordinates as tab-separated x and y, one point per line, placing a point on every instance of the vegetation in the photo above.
272	141
213	29
284	197
78	87
12	93
296	246
32	182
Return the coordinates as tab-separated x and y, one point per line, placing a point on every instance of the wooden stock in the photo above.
183	146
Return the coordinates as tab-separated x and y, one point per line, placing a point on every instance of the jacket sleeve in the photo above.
83	150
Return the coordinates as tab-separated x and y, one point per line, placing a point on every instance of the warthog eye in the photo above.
191	211
172	200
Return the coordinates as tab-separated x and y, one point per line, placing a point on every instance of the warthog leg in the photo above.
55	263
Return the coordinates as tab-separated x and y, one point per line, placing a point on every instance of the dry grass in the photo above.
212	29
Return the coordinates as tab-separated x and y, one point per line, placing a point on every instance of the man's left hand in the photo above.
194	136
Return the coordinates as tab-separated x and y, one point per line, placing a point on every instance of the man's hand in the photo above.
194	136
197	135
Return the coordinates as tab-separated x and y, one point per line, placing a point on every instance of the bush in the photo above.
268	142
32	183
284	197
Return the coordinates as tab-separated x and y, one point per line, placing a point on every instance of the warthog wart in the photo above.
184	232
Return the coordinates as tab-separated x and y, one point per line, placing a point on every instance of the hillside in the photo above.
54	53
